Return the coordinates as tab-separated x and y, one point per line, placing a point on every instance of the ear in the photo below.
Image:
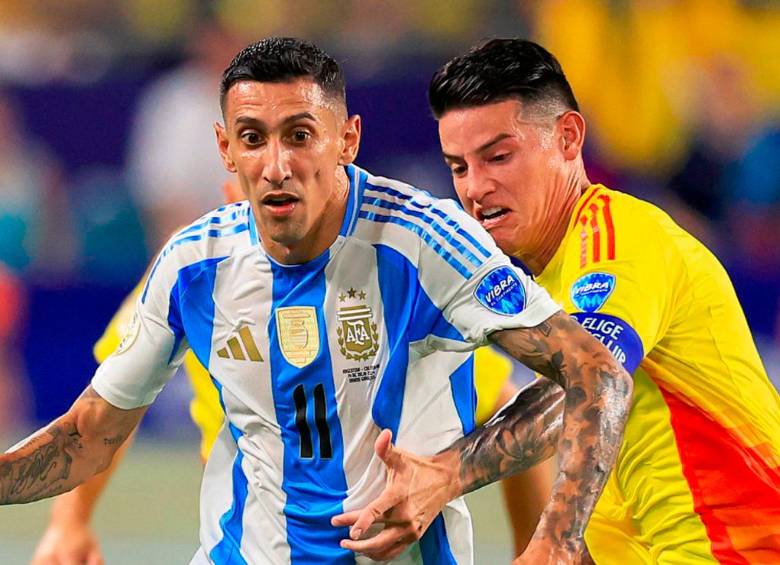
350	136
224	144
572	127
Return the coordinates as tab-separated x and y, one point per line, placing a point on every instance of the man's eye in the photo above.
499	157
458	170
250	138
299	136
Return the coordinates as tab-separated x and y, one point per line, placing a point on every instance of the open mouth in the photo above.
494	213
279	200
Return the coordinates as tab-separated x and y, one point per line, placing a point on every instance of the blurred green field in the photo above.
149	514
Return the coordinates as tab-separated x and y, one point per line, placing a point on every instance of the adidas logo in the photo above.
235	351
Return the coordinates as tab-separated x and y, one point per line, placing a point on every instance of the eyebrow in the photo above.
262	125
498	138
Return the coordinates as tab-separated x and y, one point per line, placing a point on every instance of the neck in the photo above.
554	225
321	235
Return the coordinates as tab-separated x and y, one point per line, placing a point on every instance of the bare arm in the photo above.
79	503
597	402
522	434
525	432
68	537
67	452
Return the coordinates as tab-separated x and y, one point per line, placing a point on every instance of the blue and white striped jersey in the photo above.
312	361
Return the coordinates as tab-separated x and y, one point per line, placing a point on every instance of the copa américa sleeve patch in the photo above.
591	291
620	338
501	291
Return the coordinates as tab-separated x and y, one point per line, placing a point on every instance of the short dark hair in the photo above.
283	59
497	70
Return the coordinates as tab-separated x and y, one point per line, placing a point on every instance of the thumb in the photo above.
384	448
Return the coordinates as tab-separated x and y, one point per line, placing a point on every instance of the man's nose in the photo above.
277	167
478	184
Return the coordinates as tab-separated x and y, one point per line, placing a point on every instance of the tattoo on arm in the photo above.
524	433
42	471
116	440
67	452
597	400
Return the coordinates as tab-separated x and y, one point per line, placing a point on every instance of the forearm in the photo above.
79	503
519	436
48	463
588	448
67	452
597	402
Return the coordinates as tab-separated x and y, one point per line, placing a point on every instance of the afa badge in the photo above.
358	335
591	291
501	291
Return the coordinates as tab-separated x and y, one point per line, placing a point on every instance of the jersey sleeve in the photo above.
618	275
117	327
478	289
150	350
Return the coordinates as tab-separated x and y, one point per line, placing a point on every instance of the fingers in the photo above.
360	520
346	519
372	514
387	544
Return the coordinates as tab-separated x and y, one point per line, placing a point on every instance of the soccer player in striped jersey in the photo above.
698	476
331	306
69	538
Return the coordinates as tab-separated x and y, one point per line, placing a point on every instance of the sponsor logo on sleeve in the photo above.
501	291
591	291
130	334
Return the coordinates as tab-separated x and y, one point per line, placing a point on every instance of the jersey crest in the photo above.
299	336
358	336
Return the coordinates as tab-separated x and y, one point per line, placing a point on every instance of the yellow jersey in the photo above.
697	479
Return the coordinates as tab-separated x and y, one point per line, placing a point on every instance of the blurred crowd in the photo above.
107	145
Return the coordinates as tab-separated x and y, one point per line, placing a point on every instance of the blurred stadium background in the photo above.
106	145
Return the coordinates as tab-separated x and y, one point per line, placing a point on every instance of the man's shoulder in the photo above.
216	235
609	225
395	213
615	237
403	197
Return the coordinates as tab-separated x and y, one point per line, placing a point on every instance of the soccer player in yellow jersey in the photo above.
69	538
697	479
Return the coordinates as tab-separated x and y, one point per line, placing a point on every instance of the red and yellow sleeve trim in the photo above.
597	228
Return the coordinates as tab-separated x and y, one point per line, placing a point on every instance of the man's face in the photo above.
285	142
505	169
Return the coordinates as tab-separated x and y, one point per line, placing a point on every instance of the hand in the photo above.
545	551
417	489
68	544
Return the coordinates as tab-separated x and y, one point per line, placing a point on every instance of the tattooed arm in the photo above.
67	452
597	402
526	431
